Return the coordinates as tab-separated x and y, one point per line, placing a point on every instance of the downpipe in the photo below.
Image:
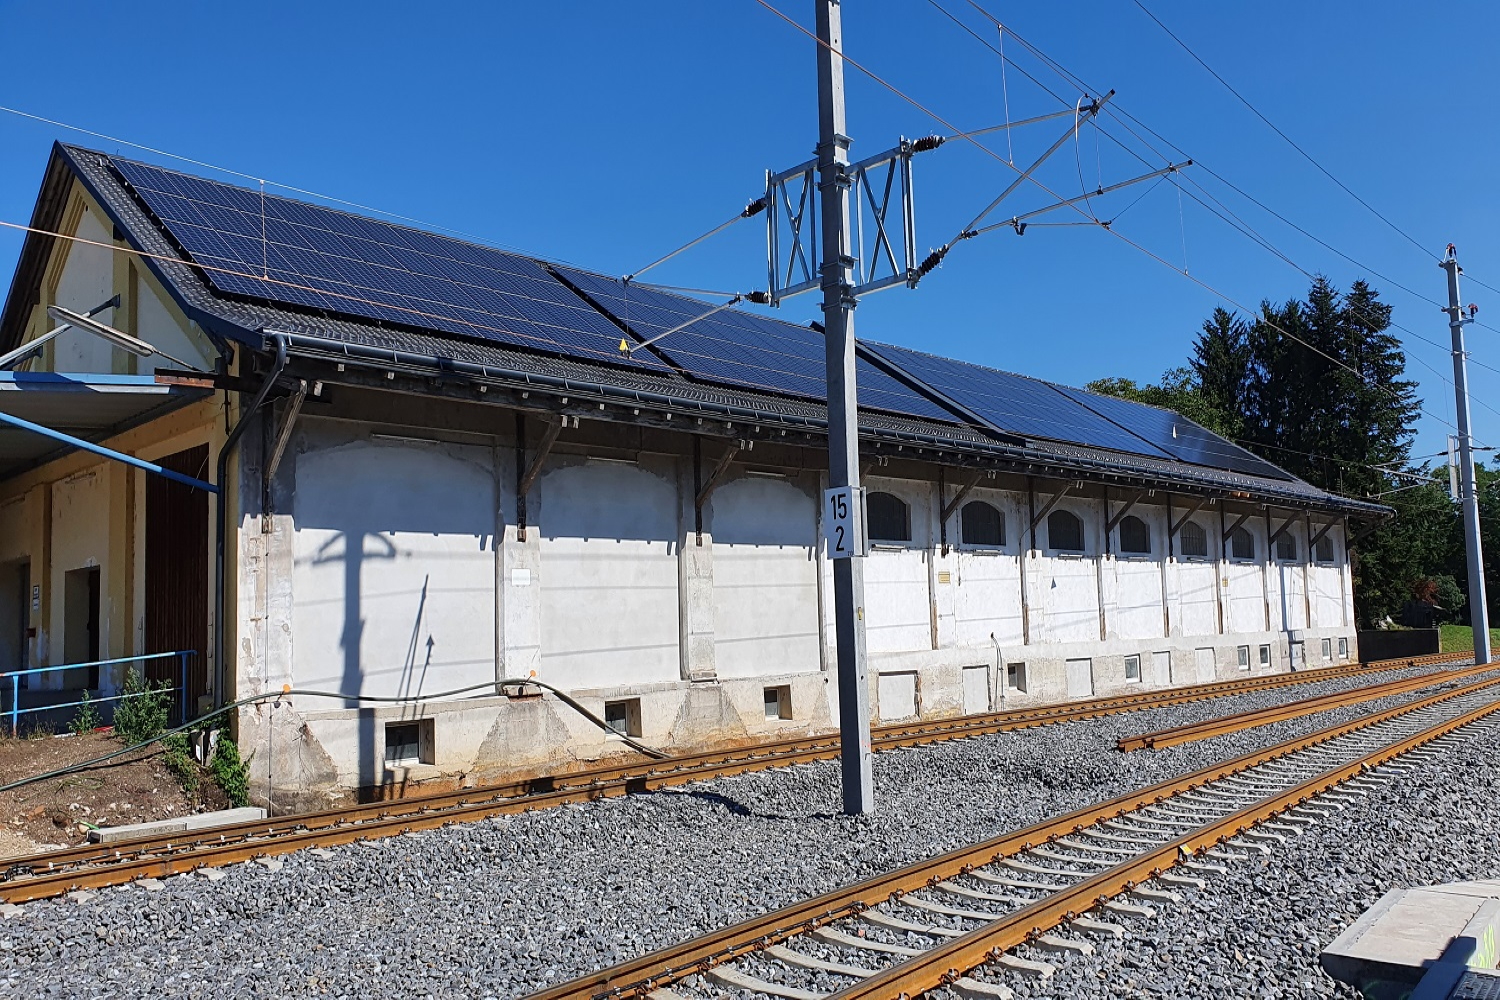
221	511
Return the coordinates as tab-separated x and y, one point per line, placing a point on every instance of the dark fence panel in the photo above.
1383	644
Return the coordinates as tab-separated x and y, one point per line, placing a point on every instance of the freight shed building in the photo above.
439	471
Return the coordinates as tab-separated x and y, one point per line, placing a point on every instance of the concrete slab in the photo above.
1411	934
176	824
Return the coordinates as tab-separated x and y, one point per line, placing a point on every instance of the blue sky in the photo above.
607	134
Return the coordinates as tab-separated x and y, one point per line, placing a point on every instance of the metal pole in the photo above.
1479	615
843	419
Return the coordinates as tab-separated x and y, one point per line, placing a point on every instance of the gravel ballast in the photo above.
509	906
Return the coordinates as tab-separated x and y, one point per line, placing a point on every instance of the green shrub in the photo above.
179	760
87	718
142	714
230	772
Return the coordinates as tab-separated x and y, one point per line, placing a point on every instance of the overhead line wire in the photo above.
1113	232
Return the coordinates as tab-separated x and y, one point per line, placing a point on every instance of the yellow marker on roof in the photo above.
623	348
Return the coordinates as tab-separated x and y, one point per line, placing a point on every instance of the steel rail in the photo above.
546	791
945	963
1176	735
640	976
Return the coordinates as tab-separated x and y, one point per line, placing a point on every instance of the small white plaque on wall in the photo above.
520	578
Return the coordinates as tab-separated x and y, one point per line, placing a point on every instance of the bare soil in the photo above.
58	812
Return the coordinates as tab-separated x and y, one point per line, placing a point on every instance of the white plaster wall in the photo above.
80	538
898	595
87	279
393	577
1063	589
987	582
765	575
608	568
14	530
1244	598
156	325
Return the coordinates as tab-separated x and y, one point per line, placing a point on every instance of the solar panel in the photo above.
298	254
740	348
1015	404
1176	435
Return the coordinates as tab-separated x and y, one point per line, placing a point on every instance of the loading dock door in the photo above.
176	598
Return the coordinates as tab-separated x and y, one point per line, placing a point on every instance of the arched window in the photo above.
1064	531
1194	540
1135	536
889	517
1324	550
982	524
1241	544
1286	548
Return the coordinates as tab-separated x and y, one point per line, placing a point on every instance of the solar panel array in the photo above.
1015	404
303	255
306	255
741	348
1176	435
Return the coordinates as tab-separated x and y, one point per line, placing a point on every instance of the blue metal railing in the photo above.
16	711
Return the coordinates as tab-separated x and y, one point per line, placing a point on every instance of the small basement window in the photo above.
1265	654
1194	541
1064	531
1343	648
779	702
1133	667
408	742
1015	677
888	517
1327	649
624	717
1243	657
1135	536
1241	544
982	525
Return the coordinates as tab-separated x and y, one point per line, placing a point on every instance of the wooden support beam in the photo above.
1236	525
1120	514
1323	531
1279	531
1176	526
720	469
959	497
534	467
1047	509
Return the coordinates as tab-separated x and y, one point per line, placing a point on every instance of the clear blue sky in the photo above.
608	133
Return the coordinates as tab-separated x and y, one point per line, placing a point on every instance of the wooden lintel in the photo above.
958	498
534	468
1236	525
1047	509
720	468
1120	514
1177	526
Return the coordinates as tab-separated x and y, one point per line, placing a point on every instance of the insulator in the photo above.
759	298
754	208
925	143
933	260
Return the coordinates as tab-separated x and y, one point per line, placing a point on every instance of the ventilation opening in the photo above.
1015	677
779	702
1133	667
409	742
624	717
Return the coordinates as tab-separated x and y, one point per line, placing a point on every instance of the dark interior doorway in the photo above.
176	598
81	624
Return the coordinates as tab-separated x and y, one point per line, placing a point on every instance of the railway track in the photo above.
92	866
1207	729
950	921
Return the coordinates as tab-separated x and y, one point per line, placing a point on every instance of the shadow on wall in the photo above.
393	582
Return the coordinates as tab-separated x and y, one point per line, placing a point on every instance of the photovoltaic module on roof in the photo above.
299	254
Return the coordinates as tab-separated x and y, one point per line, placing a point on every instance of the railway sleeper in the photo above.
977	989
791	956
727	975
1098	928
832	935
882	919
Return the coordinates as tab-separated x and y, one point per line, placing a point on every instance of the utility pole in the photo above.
1469	497
843	420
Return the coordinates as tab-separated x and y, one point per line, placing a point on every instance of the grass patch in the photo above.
1460	638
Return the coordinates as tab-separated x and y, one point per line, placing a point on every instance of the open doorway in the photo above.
15	587
81	625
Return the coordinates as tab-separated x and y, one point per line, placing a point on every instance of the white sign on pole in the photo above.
1453	468
844	522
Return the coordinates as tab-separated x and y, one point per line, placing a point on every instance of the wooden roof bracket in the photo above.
1236	525
1176	526
1120	514
721	468
1042	514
